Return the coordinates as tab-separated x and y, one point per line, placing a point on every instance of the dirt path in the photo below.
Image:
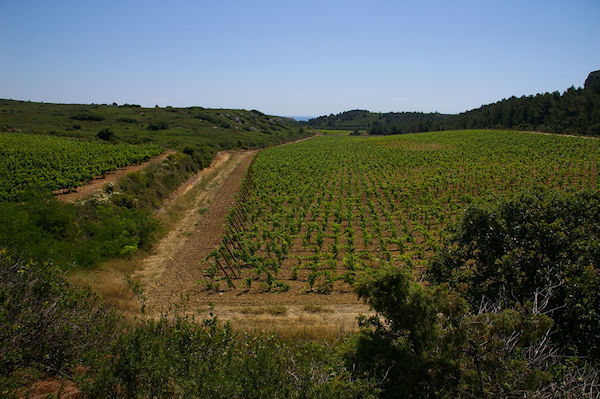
172	270
220	158
110	177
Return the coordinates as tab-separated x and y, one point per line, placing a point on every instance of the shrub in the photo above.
43	228
85	116
426	341
105	134
513	248
44	322
127	120
158	126
188	359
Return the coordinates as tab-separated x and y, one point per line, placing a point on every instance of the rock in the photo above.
593	81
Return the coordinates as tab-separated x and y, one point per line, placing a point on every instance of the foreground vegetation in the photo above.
49	327
464	335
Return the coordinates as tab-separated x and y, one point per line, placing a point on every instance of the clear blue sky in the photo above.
296	57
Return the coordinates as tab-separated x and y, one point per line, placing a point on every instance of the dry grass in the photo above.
294	329
111	283
315	308
274	310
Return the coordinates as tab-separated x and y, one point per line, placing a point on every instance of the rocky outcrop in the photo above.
593	81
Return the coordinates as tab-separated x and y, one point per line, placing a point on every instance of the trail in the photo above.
172	269
110	177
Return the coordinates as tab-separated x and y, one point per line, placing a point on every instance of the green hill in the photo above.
168	127
576	111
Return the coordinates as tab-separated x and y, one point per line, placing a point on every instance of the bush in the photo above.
105	134
127	120
426	341
513	248
188	359
44	228
158	126
84	116
45	323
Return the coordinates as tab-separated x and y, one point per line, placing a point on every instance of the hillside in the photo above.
378	123
168	127
48	147
576	111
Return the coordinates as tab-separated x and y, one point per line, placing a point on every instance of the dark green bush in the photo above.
127	120
514	248
158	126
426	341
85	116
105	134
43	228
47	324
188	359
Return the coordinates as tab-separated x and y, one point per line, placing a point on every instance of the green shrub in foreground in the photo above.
427	342
47	324
515	248
49	328
186	359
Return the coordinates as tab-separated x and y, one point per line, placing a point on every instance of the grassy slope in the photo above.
193	126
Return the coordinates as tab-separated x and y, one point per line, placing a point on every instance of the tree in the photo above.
426	341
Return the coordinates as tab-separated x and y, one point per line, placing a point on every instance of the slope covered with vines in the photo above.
42	162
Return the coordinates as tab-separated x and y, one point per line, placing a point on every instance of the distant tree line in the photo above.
576	111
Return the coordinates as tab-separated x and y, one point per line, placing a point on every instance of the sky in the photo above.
296	57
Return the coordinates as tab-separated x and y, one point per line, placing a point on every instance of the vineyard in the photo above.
51	163
312	215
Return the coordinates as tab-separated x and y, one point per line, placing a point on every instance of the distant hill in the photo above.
169	127
301	118
379	123
576	111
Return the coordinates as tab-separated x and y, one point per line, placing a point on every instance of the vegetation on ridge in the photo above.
576	111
